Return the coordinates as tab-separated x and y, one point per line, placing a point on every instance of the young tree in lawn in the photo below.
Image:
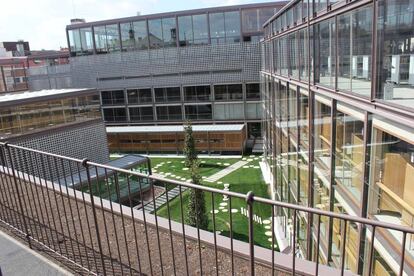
196	212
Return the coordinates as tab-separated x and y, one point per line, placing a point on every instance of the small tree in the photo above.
196	211
189	146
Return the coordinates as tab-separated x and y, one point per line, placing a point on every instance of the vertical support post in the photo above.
86	166
19	196
249	201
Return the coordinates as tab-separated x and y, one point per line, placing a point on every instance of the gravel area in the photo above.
67	226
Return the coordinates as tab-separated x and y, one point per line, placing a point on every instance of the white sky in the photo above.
43	22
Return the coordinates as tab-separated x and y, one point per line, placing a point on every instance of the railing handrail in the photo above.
314	211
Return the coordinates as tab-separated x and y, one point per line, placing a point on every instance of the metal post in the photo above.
85	165
249	201
19	196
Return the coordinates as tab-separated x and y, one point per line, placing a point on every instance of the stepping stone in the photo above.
267	227
245	167
244	159
167	174
225	198
169	162
256	167
227	185
269	233
226	164
188	180
154	170
185	169
177	177
223	204
183	179
182	162
219	182
270	239
222	207
266	221
250	160
224	210
215	211
218	163
256	158
234	210
252	156
204	177
202	162
172	175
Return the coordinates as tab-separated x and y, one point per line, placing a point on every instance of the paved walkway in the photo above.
226	171
18	259
162	199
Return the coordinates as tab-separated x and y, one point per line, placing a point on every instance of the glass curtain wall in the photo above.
134	36
224	27
325	53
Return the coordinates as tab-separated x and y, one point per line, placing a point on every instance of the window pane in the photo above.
349	155
325	51
253	91
217	29
155	33
112	38
232	26
355	55
86	40
250	22
185	27
169	31
127	36
75	42
100	39
200	29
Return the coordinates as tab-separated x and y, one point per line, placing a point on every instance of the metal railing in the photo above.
93	235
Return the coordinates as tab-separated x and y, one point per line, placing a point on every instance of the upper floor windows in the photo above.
193	29
228	92
81	41
197	93
115	97
162	33
225	27
134	35
167	94
137	96
107	38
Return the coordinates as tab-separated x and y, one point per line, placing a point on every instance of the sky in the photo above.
43	22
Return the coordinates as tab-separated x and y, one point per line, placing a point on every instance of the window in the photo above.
303	121
228	111
224	27
197	93
168	113
136	96
254	110
114	114
303	54
322	140
107	38
167	94
325	53
354	67
115	97
395	27
134	36
80	41
162	33
193	29
198	112
293	56
392	173
228	92
349	154
253	91
141	113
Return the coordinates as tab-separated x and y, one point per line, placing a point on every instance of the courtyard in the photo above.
239	175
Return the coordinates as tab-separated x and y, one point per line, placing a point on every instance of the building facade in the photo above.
200	65
337	82
64	122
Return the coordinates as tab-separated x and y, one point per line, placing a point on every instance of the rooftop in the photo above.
19	98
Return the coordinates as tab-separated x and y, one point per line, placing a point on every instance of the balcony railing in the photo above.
90	234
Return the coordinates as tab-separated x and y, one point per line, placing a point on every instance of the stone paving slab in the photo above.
226	171
18	259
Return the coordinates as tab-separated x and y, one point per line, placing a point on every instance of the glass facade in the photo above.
30	117
338	127
217	26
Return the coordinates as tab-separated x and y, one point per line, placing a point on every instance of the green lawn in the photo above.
241	180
